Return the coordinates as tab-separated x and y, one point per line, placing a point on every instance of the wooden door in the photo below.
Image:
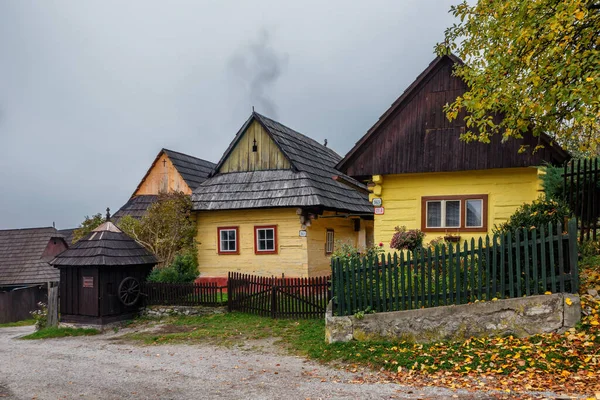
88	288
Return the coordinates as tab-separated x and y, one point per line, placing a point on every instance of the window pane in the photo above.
269	233
231	235
434	214
452	213
474	213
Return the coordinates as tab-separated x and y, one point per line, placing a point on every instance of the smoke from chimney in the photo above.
258	65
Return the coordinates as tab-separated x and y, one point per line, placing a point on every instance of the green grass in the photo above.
25	322
307	338
49	333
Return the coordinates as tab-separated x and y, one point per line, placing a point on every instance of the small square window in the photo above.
265	239
228	240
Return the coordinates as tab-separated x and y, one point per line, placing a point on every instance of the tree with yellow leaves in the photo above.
536	63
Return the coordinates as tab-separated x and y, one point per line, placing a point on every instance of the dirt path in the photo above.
98	367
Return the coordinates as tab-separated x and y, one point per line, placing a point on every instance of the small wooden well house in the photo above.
101	277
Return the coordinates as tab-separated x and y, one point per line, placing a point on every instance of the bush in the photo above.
553	183
405	239
40	316
346	251
539	212
184	269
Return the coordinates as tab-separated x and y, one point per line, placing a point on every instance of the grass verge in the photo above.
49	333
566	363
26	322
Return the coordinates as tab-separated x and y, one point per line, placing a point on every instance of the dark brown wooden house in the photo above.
101	277
25	269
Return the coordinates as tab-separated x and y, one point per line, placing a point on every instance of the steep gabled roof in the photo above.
22	258
193	170
106	245
309	183
554	152
135	207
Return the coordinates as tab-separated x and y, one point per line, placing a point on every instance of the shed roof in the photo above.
309	183
22	259
193	170
106	245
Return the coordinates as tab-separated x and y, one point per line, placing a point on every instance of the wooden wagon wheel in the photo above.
129	291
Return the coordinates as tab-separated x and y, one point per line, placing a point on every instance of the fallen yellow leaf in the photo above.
568	301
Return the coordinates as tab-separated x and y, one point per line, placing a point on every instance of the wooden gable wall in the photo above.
267	157
417	136
162	177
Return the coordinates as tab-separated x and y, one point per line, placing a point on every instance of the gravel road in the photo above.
104	367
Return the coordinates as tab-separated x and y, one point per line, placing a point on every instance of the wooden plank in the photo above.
561	259
511	271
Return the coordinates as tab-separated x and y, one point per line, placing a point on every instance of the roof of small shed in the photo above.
22	259
310	182
106	245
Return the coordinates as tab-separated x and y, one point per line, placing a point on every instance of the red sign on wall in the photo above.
379	210
88	281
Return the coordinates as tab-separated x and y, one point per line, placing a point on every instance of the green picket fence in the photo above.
502	266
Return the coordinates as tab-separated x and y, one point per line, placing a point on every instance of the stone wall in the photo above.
524	316
166	311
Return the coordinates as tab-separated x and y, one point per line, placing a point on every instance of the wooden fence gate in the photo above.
278	297
582	192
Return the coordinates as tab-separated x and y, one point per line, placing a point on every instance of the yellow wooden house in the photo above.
423	176
171	171
275	205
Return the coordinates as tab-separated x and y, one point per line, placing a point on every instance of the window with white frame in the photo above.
228	240
329	236
265	239
454	213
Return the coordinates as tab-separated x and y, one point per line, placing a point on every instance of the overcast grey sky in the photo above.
90	91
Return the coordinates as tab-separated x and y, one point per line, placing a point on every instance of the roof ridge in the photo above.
321	146
27	229
187	155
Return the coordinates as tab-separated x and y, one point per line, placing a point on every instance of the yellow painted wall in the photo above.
154	182
506	188
318	261
268	155
292	256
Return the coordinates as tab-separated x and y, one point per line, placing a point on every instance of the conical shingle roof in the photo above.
106	245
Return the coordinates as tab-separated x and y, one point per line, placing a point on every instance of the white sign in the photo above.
379	210
302	233
377	202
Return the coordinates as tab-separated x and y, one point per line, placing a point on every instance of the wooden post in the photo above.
52	304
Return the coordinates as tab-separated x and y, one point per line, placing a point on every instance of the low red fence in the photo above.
278	297
185	294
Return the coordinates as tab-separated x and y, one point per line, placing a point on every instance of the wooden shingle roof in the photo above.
135	207
309	183
22	258
106	245
193	170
